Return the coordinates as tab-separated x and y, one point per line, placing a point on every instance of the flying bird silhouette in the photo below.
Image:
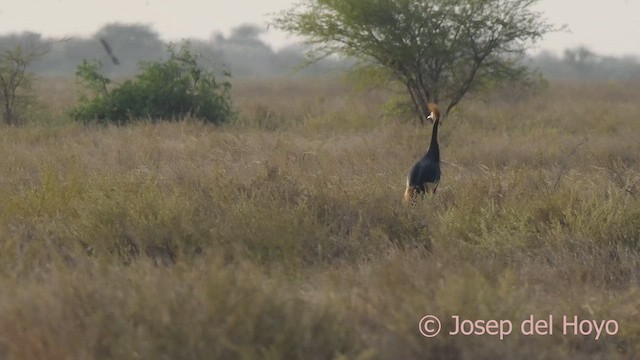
107	48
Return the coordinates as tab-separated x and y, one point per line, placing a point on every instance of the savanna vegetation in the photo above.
436	50
282	234
169	90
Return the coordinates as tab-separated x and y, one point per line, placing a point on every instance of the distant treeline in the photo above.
582	63
244	54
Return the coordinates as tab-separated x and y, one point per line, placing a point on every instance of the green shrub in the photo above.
174	89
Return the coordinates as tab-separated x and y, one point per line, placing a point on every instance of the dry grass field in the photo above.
283	235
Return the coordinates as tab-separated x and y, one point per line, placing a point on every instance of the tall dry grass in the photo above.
283	235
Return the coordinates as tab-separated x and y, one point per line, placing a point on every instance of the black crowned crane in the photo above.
424	176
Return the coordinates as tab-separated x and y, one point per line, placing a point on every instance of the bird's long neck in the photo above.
434	151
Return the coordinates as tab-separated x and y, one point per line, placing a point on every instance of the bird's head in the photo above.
434	112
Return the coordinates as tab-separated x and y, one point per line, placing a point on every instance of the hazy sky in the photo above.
611	29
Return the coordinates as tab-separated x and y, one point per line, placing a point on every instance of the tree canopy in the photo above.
437	49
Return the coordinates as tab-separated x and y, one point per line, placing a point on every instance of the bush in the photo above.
169	90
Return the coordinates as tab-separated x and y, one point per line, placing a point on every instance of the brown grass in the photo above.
284	235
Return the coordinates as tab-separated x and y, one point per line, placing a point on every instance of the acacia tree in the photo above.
15	80
437	49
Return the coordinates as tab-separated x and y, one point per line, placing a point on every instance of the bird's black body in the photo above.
424	176
107	49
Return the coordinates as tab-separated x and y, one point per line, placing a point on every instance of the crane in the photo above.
424	175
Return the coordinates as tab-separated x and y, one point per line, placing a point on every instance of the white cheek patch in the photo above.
430	117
